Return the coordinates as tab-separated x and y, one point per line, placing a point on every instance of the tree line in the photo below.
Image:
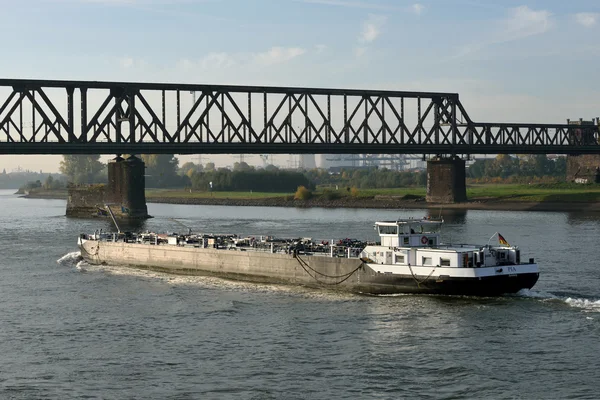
29	180
163	171
505	167
368	178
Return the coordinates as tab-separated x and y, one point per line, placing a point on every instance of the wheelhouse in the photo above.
409	232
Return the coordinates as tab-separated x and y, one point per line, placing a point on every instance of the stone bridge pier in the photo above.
584	168
446	180
124	193
126	188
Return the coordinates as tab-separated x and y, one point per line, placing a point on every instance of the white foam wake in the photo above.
71	259
210	282
589	305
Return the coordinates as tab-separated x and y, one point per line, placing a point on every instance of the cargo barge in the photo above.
409	258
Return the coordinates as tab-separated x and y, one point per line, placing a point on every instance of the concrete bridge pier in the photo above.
584	168
446	180
126	187
125	192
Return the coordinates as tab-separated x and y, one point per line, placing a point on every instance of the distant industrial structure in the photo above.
397	162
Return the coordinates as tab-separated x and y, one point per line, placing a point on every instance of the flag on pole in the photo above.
502	241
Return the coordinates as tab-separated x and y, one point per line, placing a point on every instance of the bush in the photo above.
31	185
354	191
332	194
302	193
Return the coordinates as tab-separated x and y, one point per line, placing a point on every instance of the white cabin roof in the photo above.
422	221
421	225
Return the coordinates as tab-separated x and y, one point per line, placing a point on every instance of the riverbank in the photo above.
476	204
374	202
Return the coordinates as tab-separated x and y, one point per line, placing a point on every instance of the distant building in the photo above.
307	161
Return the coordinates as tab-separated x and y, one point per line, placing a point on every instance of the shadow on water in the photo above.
106	224
458	217
578	217
134	225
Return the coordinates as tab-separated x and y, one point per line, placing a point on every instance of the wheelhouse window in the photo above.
444	262
427	261
399	259
388	230
405	240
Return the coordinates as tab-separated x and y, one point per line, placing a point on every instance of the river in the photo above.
72	330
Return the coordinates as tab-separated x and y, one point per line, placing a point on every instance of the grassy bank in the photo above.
191	194
558	193
561	193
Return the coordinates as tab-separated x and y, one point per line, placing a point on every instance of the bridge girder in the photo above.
41	117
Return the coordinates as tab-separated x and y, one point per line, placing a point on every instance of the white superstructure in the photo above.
413	247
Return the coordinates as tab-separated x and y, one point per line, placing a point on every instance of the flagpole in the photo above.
488	243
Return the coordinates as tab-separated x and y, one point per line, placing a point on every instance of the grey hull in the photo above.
346	274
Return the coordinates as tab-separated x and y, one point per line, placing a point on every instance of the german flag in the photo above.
502	241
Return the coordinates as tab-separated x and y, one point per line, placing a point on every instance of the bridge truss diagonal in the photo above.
81	117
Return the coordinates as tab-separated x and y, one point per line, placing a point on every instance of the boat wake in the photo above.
73	259
586	304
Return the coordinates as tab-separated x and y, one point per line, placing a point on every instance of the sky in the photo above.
510	61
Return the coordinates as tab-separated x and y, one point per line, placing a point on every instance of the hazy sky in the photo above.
510	61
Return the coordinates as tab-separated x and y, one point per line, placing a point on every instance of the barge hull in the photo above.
346	274
485	286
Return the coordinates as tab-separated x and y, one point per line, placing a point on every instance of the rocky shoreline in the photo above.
379	202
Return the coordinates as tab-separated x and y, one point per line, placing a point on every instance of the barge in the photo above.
410	258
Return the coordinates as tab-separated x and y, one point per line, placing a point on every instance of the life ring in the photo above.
424	240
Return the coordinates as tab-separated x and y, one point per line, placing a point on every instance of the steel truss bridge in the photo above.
86	117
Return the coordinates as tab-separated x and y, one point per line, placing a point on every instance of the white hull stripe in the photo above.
453	272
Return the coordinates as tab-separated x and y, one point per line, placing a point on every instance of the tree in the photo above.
242	166
542	165
189	167
161	170
49	182
81	168
210	166
560	166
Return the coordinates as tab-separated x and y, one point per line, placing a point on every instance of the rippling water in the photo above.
72	330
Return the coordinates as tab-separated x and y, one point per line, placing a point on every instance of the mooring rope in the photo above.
415	277
320	273
346	276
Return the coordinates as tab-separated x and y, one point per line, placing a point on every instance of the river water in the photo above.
72	330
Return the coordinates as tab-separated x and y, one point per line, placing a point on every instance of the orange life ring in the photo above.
424	240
